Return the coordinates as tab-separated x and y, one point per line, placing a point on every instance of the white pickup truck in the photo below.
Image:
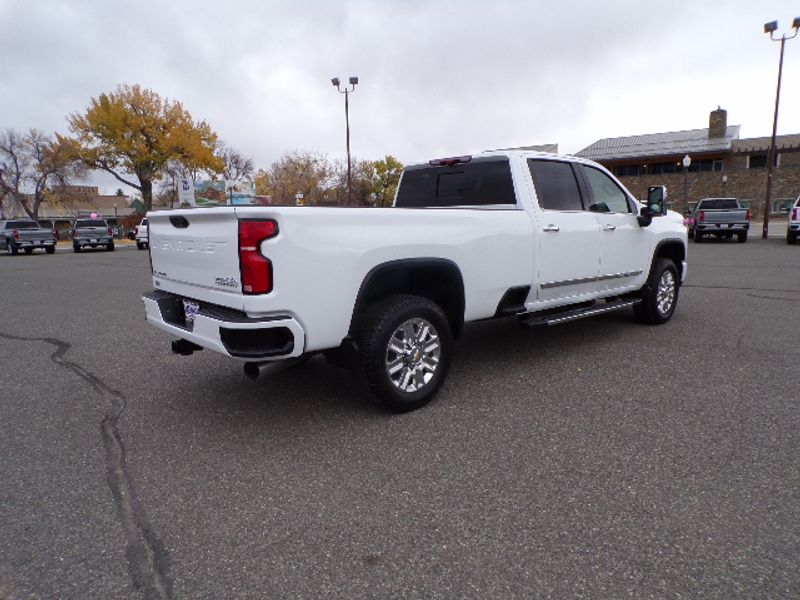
542	237
140	234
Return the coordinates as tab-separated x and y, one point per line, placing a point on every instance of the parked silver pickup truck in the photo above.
721	217
26	235
92	233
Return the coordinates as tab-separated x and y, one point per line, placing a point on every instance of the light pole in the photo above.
770	29
724	186
687	162
353	82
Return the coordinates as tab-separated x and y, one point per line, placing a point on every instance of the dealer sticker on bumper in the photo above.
190	309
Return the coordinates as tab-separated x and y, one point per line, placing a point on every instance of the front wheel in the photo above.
110	247
741	237
405	345
660	294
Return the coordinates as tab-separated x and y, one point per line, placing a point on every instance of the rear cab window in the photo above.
90	223
719	204
23	225
482	181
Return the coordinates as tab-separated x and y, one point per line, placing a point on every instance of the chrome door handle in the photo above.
550	228
609	227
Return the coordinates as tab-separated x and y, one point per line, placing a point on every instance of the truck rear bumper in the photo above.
34	243
225	330
722	227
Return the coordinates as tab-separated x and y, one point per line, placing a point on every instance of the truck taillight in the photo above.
256	269
794	214
748	214
15	235
110	231
74	233
702	215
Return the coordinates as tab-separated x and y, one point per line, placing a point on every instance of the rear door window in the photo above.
556	185
480	182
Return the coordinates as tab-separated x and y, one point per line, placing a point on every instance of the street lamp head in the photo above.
354	81
687	161
770	27
796	23
335	81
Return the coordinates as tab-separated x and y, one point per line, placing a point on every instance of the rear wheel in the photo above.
791	236
28	250
405	344
50	249
140	245
76	248
110	247
741	237
11	248
698	236
660	294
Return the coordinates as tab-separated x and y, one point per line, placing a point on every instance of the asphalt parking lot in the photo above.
598	459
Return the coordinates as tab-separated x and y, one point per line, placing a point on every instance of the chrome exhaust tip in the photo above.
253	370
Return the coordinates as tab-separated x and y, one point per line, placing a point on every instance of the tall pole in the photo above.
772	149
349	169
773	152
353	83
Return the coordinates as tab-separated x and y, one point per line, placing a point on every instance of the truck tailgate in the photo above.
198	247
724	215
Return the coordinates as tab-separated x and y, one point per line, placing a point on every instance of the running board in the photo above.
532	320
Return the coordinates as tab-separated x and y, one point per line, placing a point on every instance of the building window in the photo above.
628	170
757	161
662	168
705	165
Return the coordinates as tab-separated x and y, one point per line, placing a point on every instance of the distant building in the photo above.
721	164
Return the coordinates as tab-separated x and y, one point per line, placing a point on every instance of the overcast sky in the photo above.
437	78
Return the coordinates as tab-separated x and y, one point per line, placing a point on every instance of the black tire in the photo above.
76	248
658	302
791	237
28	250
379	326
741	237
110	247
50	249
698	237
140	245
690	233
12	249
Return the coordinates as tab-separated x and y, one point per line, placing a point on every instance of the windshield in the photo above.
90	223
23	225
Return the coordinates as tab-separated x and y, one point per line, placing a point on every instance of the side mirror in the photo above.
656	205
657	200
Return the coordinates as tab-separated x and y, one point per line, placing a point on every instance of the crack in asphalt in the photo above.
147	558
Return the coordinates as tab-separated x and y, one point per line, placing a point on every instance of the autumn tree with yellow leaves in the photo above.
133	134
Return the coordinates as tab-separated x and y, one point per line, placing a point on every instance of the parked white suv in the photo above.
793	228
